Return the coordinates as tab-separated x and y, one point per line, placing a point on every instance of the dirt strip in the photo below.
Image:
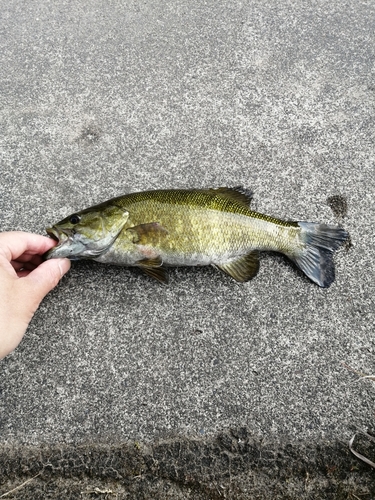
230	465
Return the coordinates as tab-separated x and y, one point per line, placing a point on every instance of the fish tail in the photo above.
316	258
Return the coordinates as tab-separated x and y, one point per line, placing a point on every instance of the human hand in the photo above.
24	281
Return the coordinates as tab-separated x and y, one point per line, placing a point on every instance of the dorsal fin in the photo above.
238	194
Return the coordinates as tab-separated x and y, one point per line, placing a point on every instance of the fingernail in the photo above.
64	266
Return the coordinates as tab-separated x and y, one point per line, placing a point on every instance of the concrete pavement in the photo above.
99	99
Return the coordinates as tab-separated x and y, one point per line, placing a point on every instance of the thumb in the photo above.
46	276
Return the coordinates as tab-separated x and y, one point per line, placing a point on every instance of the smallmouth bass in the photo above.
156	229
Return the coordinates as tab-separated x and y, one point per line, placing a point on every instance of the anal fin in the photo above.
243	268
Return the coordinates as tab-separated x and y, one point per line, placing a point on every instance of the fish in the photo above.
157	229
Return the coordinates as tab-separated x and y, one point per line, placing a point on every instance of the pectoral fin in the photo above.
242	269
146	234
153	268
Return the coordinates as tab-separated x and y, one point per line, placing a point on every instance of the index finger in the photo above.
13	244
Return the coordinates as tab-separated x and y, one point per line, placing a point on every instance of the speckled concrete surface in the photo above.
97	99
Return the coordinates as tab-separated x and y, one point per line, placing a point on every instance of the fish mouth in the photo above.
53	233
58	236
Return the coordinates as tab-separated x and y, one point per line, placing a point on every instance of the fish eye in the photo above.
74	219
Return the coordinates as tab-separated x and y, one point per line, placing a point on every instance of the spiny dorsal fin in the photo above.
238	194
243	268
144	234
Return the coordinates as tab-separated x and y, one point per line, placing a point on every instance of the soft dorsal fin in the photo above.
243	268
238	194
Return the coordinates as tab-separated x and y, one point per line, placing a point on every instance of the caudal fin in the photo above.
316	259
